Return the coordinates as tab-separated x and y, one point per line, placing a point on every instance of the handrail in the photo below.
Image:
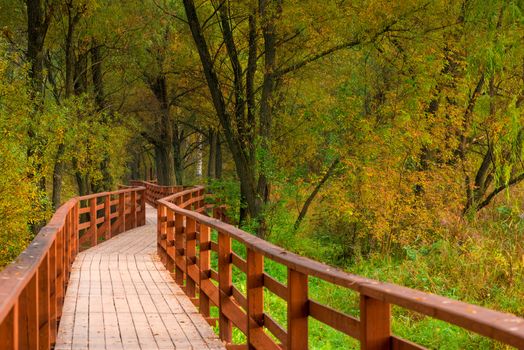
32	288
183	225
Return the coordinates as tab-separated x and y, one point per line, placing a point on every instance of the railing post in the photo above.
255	296
52	290
170	238
375	324
202	202
190	255
121	212
179	249
159	231
224	284
28	315
59	268
107	216
133	209
44	320
92	217
142	207
204	267
9	330
76	220
297	310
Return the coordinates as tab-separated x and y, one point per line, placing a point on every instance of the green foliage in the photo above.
21	203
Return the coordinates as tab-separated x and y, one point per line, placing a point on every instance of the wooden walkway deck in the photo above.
120	296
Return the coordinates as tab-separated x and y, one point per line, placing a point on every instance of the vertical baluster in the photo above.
142	207
28	315
204	267
76	220
52	293
202	202
133	209
224	284
159	248
190	255
121	212
255	296
92	215
297	310
179	247
44	323
59	274
170	236
375	327
107	216
67	252
9	330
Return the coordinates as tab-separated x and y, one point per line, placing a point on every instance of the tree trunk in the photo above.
164	146
96	71
164	164
98	88
59	166
38	20
211	163
178	145
218	158
314	193
37	25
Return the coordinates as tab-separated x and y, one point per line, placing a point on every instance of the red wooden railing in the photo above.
32	288
155	192
185	246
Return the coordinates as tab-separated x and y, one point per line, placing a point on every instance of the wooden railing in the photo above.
155	192
185	246
32	288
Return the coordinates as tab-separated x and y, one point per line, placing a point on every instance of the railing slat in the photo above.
224	284
297	310
204	264
28	315
375	328
9	330
190	252
255	296
44	324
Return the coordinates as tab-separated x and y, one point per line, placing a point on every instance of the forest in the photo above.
382	137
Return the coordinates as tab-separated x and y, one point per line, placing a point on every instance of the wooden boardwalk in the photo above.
120	296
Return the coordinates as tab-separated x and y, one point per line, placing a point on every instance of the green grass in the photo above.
438	269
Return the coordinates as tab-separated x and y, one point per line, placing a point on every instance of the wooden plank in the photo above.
255	296
92	218
190	252
9	330
275	287
239	262
335	319
375	327
297	310
28	315
224	285
234	314
179	246
44	325
277	330
402	344
170	238
240	299
204	264
53	321
84	225
107	216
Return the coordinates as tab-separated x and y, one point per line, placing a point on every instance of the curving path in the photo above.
120	296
